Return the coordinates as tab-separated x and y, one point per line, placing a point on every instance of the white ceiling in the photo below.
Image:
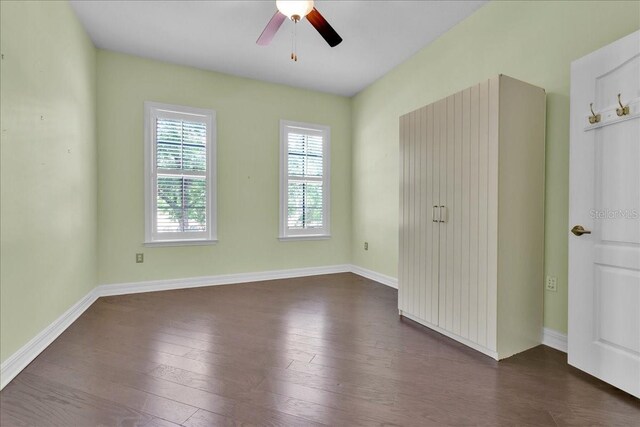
221	36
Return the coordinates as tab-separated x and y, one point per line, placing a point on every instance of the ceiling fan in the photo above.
296	10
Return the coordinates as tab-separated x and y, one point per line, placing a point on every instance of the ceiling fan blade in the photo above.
271	29
323	27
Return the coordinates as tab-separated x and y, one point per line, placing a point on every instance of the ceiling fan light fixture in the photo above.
295	9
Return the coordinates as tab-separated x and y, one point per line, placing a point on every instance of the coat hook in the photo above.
623	110
593	118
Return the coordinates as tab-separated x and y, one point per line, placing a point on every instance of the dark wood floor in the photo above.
325	350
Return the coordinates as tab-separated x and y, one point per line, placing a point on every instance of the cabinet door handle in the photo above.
443	213
434	213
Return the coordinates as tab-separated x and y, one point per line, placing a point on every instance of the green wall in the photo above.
48	182
532	41
248	115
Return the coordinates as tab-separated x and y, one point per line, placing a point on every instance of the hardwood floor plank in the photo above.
198	381
356	406
366	392
181	346
159	422
311	411
204	418
114	338
296	407
248	367
35	401
126	396
244	369
141	381
207	419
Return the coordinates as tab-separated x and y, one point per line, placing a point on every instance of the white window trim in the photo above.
151	111
315	234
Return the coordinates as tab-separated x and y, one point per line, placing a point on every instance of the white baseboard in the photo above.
21	358
25	355
554	339
223	279
378	277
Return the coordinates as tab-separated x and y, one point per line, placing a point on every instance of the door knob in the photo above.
579	230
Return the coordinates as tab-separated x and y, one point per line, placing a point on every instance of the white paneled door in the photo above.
604	243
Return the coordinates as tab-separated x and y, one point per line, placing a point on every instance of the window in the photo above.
304	180
180	162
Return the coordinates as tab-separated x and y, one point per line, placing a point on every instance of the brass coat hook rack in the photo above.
594	118
623	110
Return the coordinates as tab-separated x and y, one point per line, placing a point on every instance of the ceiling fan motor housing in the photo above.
295	9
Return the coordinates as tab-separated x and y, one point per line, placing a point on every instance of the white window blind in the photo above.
304	207
180	148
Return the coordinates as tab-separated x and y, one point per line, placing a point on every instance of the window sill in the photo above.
199	242
305	237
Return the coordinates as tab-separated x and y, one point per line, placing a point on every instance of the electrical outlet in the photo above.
366	246
552	284
139	258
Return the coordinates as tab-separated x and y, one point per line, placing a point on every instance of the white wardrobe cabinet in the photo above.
472	216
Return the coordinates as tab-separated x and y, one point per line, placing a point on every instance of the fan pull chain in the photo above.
294	56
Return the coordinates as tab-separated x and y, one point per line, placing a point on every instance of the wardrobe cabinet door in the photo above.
413	215
463	207
462	305
441	141
411	224
454	225
449	279
403	259
466	159
431	235
418	266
